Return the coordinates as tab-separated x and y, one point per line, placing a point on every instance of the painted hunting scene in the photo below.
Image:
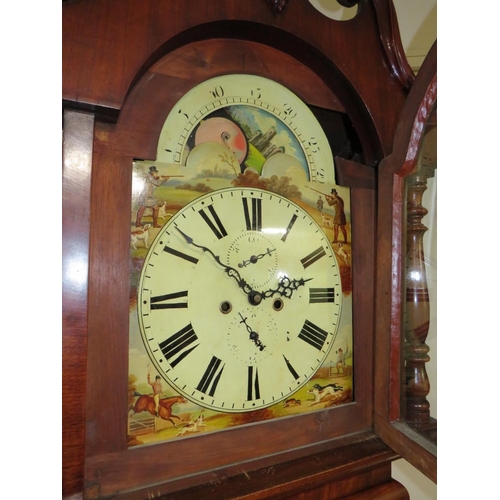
235	146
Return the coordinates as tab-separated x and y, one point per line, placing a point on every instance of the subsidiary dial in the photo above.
252	335
256	258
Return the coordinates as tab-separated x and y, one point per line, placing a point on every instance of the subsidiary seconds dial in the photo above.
200	321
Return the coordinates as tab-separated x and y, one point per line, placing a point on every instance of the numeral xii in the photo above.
253	214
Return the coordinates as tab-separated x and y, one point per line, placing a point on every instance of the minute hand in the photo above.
230	271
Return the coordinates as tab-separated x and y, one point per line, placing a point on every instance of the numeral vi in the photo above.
211	377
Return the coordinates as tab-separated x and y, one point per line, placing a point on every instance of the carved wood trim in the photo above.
277	5
404	164
391	43
358	462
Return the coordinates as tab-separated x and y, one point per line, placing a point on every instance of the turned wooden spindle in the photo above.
417	303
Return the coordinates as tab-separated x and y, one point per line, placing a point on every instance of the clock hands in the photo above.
285	288
254	336
255	258
230	271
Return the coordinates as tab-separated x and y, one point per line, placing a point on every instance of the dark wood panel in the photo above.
107	50
77	161
414	447
197	61
100	44
348	467
363	258
391	490
144	113
354	174
109	288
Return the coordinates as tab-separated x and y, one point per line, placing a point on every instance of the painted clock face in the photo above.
240	265
247	122
239	299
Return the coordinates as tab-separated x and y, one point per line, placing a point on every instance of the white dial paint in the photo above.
239	337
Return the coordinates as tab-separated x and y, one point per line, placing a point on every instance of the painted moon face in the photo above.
223	131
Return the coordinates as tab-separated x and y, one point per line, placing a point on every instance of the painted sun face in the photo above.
225	132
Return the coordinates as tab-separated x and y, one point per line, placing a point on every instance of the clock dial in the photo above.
239	299
249	119
240	290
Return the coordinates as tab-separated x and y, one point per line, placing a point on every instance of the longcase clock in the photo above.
225	279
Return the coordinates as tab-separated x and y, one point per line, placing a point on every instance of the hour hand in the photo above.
286	287
190	241
230	271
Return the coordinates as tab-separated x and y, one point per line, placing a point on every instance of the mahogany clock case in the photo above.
136	136
236	130
205	47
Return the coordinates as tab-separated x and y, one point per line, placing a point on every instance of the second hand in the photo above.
254	336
